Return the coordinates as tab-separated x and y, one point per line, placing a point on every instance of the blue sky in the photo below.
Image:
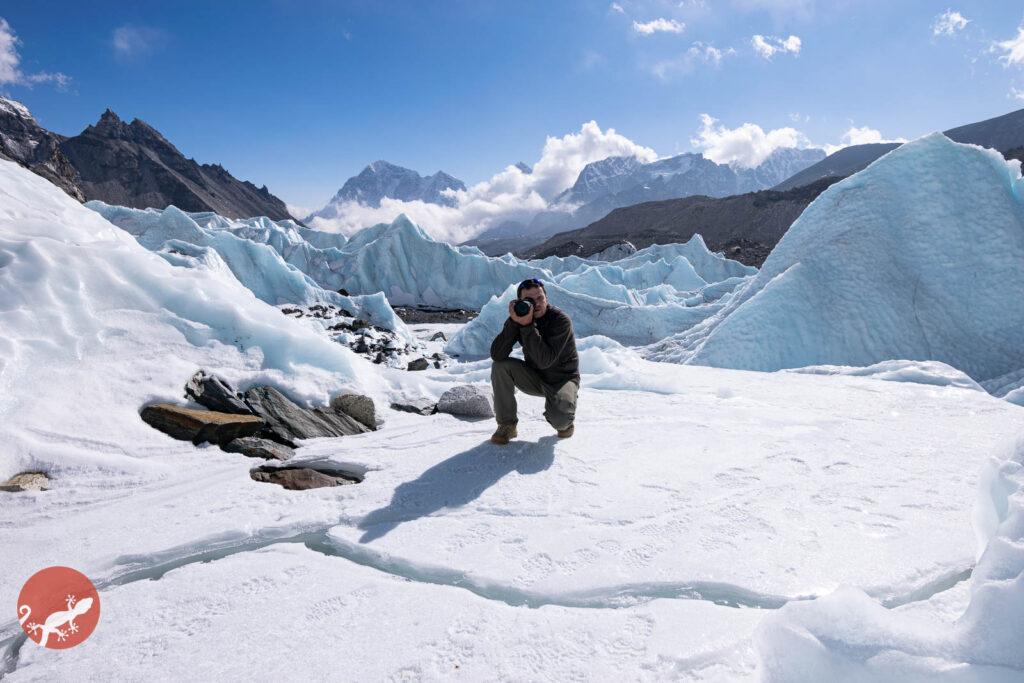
302	95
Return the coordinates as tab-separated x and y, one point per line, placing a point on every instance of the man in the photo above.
551	368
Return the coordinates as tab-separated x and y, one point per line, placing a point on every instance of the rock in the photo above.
420	406
439	336
199	426
361	346
357	406
436	356
359	324
255	447
466	400
26	481
418	364
301	478
343	292
286	421
379	358
437	363
214	393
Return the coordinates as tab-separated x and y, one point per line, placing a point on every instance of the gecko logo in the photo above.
58	607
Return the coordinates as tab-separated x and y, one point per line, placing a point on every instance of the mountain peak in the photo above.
15	108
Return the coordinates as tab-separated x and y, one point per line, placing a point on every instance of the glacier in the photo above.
916	257
703	523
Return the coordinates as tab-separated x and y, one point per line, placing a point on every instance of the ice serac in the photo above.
918	257
640	299
271	259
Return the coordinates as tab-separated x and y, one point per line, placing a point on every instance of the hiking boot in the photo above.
504	432
565	433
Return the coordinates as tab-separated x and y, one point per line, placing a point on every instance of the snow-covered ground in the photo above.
653	543
833	523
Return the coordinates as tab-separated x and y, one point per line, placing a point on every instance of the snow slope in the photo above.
94	326
917	257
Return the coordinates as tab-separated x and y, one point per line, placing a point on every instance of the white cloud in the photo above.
768	46
508	195
1014	49
658	26
136	41
948	23
10	61
616	7
859	136
1015	94
797	117
745	146
698	54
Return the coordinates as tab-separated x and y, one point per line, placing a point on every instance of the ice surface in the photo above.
917	257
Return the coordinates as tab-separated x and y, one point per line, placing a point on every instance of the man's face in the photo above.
540	300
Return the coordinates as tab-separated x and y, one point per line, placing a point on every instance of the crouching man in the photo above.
551	368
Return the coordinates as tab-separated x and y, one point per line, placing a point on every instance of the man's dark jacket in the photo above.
549	346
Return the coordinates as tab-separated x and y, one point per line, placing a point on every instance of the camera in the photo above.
523	306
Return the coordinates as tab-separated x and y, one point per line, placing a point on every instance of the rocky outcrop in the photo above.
25	142
287	422
467	400
132	164
302	478
418	364
199	426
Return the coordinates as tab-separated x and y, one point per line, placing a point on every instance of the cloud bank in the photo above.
514	194
510	194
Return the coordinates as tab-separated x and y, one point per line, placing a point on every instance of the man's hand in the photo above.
523	319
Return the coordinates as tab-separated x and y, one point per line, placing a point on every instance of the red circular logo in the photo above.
58	607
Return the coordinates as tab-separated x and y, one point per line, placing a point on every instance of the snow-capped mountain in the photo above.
621	181
615	182
383	179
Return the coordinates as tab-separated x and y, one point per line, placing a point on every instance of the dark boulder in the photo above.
358	407
418	364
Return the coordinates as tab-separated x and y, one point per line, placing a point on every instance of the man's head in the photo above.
534	289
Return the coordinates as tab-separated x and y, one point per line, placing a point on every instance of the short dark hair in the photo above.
529	283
